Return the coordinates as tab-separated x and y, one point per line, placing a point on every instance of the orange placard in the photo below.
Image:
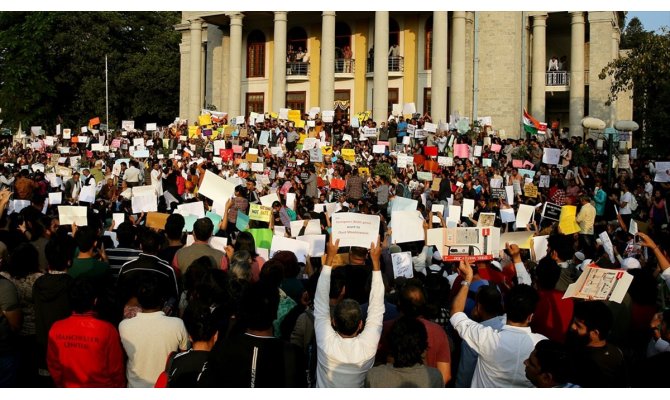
337	184
94	121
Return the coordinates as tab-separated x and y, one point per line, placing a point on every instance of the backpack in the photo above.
633	203
403	191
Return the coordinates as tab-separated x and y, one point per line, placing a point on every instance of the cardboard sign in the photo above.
67	215
530	190
567	222
156	220
402	264
600	284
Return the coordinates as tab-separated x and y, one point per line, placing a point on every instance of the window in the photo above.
428	46
255	103
394	32
394	98
296	41
256	55
296	100
426	100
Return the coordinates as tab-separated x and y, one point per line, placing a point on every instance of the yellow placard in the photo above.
294	115
258	212
205	120
244	133
193	132
349	154
327	150
251	157
567	222
300	124
530	190
436	184
363	171
156	220
228	130
274	115
303	136
216	133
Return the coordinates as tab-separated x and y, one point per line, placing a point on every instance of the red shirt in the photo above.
84	351
553	315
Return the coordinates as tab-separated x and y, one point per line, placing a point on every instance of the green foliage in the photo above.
384	169
52	67
645	72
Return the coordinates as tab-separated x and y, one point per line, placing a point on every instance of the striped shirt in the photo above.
119	256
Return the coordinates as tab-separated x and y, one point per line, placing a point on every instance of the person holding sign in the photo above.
345	348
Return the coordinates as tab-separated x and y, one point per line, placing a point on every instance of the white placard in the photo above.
435	208
128	125
551	156
87	194
544	181
297	247
327	116
662	169
151	126
353	229
540	246
400	203
478	151
313	227
407	226
218	243
468	207
507	215
524	215
509	190
430	127
454	216
138	142
317	244
55	198
147	202
409	108
267	200
402	265
18	205
118	219
290	200
379	149
216	188
196	209
67	215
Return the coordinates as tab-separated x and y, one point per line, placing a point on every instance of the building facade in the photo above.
472	64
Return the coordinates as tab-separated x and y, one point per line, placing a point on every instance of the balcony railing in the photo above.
344	65
557	78
395	64
297	68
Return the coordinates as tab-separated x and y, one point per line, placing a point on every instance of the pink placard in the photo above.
462	151
116	143
517	163
237	149
528	164
495	147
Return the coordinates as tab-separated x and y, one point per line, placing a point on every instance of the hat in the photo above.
630	263
394	248
580	256
584	263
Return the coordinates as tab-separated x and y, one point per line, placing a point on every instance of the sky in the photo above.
651	20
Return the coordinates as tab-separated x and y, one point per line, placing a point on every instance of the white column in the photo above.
194	71
438	74
457	82
279	62
380	80
577	74
235	65
327	77
537	101
615	55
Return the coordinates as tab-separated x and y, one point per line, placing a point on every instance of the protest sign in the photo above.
407	226
402	265
567	222
297	247
600	284
353	229
68	215
258	212
317	244
215	187
313	227
551	156
551	211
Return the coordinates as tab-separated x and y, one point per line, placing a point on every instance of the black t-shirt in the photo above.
185	367
246	361
600	367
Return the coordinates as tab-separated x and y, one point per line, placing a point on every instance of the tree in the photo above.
52	67
645	72
633	35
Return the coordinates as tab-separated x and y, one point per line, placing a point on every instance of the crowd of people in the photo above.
117	299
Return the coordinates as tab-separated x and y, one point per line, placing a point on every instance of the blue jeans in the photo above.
9	365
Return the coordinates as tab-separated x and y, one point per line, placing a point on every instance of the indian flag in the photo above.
530	124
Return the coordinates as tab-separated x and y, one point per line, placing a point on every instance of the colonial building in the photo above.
473	64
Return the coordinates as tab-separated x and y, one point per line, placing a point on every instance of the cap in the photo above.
394	248
580	256
630	263
496	264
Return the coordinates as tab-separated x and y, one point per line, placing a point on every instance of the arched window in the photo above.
394	32
296	41
342	38
256	54
428	45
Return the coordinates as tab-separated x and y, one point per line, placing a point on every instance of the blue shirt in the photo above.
402	129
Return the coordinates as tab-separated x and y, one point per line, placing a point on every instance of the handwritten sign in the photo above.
353	229
258	212
402	265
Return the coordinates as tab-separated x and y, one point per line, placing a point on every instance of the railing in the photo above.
298	68
395	64
557	78
344	65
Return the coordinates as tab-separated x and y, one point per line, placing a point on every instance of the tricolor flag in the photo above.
531	125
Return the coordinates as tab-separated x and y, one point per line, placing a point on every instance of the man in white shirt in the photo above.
132	175
501	352
624	204
345	349
157	179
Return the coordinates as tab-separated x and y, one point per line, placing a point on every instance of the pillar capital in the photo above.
577	17
281	16
236	18
540	20
195	24
328	14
